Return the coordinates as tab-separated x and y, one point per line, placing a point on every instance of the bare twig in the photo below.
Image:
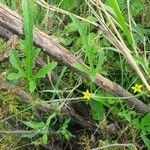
17	132
114	145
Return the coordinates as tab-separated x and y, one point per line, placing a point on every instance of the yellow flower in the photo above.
137	88
87	95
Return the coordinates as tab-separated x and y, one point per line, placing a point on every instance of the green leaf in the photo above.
111	101
32	85
92	38
101	60
97	110
68	4
137	7
36	52
34	125
67	134
45	69
52	91
121	20
79	27
136	123
14	60
71	27
27	6
81	67
29	135
90	53
126	115
44	139
92	18
52	115
14	76
109	9
88	46
146	140
145	123
143	62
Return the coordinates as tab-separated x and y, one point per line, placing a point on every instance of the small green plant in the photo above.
97	110
44	129
40	128
64	131
25	70
121	20
144	126
96	105
94	54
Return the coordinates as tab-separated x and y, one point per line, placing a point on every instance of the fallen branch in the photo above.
27	98
12	22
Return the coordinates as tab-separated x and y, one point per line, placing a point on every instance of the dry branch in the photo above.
12	22
27	98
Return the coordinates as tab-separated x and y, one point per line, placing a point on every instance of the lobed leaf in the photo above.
14	60
45	69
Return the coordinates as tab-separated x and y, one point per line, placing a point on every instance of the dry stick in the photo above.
17	132
13	22
114	145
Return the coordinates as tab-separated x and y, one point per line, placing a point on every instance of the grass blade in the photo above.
27	6
121	20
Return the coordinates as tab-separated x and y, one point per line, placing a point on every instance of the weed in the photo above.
30	53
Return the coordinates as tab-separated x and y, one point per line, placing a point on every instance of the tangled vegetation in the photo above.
86	86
